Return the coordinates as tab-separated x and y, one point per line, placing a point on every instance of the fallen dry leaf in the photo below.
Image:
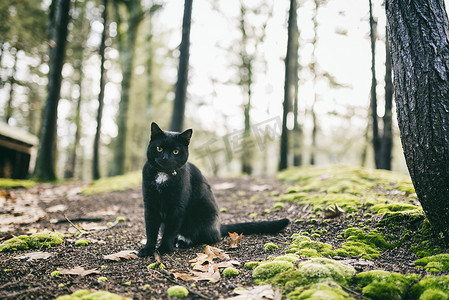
210	253
220	265
235	240
78	271
255	293
119	256
332	212
34	255
210	274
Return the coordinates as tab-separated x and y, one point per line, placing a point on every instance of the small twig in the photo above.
167	275
79	220
349	290
76	227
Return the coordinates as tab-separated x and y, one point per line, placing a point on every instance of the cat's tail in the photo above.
254	227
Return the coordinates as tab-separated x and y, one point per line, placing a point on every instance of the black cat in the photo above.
178	200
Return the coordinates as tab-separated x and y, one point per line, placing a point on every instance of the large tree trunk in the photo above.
177	121
126	50
419	38
46	156
289	84
96	148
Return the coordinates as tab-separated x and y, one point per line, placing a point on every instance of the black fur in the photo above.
179	201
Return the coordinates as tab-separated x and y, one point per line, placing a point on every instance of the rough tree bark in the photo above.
46	155
289	84
177	121
419	42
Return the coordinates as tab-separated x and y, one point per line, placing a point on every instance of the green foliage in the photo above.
177	291
15	183
88	295
379	284
434	264
116	183
38	240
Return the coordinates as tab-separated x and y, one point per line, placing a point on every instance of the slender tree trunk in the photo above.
297	130
374	120
418	35
177	121
126	50
46	156
313	67
289	84
71	161
387	136
96	148
149	71
12	81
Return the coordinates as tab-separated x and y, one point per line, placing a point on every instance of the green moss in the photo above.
379	284
116	183
269	247
15	183
177	291
230	272
82	242
155	266
268	270
38	240
88	295
288	257
102	279
121	219
55	273
434	264
318	291
430	287
318	269
393	207
251	265
278	206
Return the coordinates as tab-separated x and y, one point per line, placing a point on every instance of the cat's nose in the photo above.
165	157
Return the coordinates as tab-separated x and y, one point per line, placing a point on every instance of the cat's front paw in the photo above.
164	249
145	251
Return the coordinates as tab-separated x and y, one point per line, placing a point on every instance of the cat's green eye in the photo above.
159	149
176	151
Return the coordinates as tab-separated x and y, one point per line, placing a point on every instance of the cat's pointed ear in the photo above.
156	131
186	136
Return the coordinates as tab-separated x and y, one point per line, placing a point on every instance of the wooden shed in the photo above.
17	150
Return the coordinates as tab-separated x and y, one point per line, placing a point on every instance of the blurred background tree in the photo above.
235	84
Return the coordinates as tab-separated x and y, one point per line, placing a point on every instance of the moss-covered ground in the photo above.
355	234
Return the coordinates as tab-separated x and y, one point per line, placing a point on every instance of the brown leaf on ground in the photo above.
256	293
119	256
210	253
332	212
210	273
235	240
34	256
78	271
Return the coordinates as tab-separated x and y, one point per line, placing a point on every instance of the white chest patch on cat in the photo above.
161	177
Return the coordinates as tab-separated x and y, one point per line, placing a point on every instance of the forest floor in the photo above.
113	222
